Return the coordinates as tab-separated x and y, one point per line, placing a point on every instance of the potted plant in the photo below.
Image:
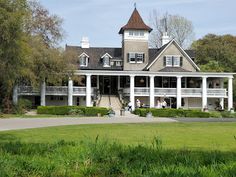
111	113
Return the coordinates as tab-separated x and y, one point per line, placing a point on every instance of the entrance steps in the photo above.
113	102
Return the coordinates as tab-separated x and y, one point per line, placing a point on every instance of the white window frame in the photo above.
132	53
176	58
106	61
169	57
137	55
83	56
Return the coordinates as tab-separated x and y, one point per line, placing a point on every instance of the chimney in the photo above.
84	42
165	39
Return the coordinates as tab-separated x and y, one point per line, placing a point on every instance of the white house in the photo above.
107	76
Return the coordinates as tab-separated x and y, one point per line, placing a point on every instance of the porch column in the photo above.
230	93
222	99
15	95
132	91
152	96
97	81
178	94
43	93
88	90
70	92
118	82
204	92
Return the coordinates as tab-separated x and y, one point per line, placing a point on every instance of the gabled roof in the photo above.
163	48
135	23
95	54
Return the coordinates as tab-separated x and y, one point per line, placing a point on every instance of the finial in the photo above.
135	5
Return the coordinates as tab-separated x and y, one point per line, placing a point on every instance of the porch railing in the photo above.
27	90
56	90
168	92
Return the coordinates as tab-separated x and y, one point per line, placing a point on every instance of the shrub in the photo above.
228	114
72	110
93	111
22	106
196	113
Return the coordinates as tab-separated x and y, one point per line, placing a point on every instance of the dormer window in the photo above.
173	61
83	60
106	60
135	57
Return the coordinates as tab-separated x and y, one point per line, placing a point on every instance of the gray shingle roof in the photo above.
95	54
173	69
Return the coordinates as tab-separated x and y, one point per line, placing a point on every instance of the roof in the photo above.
173	69
95	54
135	22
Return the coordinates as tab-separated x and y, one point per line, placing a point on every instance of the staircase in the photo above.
110	101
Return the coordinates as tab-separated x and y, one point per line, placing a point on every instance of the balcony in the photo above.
53	90
171	92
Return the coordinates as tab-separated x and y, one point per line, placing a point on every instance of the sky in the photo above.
101	20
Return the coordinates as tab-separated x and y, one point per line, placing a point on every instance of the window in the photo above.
106	61
136	57
132	57
172	61
136	33
140	57
176	60
168	60
83	60
118	63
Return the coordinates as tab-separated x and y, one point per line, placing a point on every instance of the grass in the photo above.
208	136
164	149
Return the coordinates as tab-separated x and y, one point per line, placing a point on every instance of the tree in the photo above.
216	53
178	27
217	48
12	46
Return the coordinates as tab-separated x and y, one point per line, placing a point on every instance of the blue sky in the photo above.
100	20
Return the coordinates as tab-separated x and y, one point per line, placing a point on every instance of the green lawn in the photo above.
208	136
163	150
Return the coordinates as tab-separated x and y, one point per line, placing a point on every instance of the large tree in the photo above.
13	63
216	53
217	49
177	27
29	52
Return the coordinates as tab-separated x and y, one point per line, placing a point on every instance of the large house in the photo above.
108	76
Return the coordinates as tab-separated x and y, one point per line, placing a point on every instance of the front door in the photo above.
108	85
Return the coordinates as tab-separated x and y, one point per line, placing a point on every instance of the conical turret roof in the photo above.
135	23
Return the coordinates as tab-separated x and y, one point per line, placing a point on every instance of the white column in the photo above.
178	94
118	82
152	97
132	91
88	90
15	95
43	93
70	92
97	81
230	93
222	99
204	92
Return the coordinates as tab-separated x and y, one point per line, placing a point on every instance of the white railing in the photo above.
165	92
216	92
27	90
194	92
56	90
79	90
141	91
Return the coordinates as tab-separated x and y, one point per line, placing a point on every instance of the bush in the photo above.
22	106
177	113
72	110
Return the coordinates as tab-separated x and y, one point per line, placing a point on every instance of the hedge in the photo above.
176	113
72	110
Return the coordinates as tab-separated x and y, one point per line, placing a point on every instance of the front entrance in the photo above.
108	85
